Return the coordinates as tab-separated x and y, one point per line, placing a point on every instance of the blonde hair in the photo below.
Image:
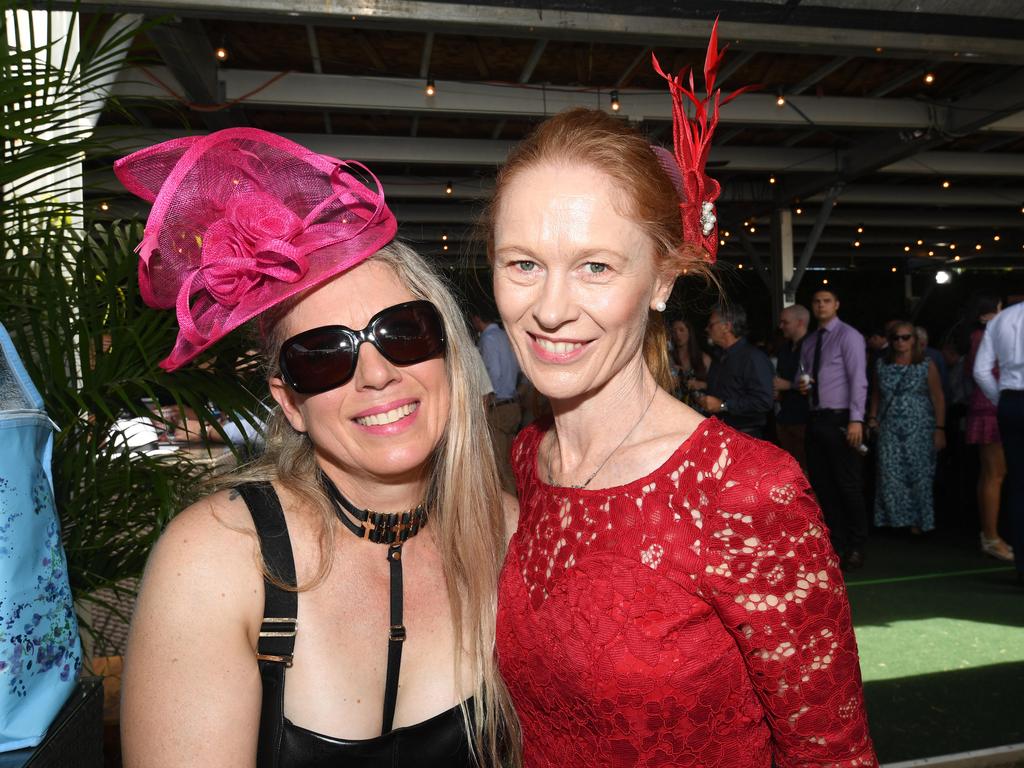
463	495
596	139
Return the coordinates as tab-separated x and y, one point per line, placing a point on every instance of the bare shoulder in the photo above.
214	535
510	506
190	666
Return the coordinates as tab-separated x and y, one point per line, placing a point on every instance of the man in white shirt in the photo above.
1003	346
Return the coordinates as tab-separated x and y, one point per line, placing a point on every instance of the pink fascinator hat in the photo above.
243	219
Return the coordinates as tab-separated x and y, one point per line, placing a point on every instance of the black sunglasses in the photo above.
325	358
901	337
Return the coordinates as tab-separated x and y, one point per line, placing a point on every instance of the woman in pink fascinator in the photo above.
670	596
334	604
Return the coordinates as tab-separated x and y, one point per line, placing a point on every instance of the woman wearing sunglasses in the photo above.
908	409
334	606
670	596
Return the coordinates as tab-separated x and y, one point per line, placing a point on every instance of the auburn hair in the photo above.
647	197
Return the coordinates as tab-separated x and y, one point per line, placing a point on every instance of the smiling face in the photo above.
574	279
384	423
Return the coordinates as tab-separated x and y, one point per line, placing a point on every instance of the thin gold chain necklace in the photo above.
585	483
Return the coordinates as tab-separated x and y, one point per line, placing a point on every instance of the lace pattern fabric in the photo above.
695	616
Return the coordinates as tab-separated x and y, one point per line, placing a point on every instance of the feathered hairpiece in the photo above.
692	141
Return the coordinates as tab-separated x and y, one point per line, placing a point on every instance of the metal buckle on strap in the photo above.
278	628
286	660
397	633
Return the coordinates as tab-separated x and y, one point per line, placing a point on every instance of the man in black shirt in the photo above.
740	378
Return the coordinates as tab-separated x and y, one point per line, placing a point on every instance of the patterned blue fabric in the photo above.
40	651
906	453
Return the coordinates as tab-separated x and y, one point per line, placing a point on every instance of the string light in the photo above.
799	211
952	246
894	269
824	281
931	253
753	230
781	101
945	184
977	247
615	101
741	266
860	230
726	233
104	206
221	54
721	242
957	257
746	224
906	249
444	236
444	247
929	78
431	90
448	188
996	238
920	242
856	243
771	179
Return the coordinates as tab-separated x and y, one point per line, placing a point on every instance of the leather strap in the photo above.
276	643
396	638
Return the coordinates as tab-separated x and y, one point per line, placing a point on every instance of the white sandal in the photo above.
996	548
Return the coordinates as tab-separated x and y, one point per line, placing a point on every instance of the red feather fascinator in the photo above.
692	142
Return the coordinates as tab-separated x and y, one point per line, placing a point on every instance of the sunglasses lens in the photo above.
318	360
410	333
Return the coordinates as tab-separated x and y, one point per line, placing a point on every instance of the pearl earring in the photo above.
660	306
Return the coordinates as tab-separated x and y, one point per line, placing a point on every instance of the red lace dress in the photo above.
694	617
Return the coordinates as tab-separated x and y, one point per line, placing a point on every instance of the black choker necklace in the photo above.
378	527
393	530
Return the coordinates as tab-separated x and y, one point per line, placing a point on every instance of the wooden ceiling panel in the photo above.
592	65
362	124
286	120
369	52
455	128
261	46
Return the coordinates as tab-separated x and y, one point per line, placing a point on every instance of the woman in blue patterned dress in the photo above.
907	408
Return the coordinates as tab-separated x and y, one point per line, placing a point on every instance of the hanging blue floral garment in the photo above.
40	651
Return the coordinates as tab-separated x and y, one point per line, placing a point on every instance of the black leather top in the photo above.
439	742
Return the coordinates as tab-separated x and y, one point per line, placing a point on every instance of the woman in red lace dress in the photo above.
670	596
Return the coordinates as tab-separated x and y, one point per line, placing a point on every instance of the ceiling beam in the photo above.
818	75
190	58
987	106
524	77
314	49
384	94
484	152
984	109
902	79
428	51
630	71
732	64
524	20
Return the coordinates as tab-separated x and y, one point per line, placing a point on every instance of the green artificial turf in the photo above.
941	638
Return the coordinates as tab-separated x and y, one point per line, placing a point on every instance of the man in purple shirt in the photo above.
832	374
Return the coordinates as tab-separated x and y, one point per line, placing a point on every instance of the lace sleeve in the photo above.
772	576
